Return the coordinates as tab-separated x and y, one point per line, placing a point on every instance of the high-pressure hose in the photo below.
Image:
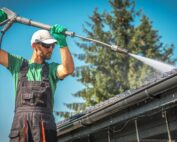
14	18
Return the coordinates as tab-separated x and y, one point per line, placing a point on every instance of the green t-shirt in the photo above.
34	72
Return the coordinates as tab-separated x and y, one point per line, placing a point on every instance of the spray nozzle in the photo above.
118	49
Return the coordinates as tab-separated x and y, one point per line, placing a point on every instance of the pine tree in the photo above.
106	72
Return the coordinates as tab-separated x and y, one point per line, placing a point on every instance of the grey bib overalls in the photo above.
33	120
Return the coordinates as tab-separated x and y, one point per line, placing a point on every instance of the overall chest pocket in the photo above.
34	99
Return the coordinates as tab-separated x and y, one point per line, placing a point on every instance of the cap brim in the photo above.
49	41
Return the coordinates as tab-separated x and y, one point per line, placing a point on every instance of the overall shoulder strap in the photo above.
45	71
23	69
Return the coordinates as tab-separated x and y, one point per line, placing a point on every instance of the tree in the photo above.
106	72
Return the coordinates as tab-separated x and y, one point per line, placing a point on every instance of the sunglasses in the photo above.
47	46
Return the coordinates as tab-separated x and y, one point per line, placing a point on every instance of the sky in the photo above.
72	15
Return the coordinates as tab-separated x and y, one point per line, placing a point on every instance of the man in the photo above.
35	84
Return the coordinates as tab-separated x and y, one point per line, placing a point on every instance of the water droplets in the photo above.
157	65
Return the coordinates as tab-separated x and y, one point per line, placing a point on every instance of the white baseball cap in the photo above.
42	36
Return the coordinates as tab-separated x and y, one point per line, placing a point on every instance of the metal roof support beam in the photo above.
109	137
164	115
89	139
137	131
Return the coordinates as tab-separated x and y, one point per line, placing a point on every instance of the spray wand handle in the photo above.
68	33
32	23
12	17
39	25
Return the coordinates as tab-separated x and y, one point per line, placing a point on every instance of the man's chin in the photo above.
48	57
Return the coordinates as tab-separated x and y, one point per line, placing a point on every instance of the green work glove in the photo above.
56	32
3	16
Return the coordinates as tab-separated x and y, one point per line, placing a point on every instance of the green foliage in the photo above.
108	73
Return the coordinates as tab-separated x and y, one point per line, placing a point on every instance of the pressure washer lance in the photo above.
12	17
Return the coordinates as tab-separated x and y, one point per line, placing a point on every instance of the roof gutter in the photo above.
140	95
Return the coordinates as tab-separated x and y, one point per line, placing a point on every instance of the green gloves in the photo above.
56	31
3	16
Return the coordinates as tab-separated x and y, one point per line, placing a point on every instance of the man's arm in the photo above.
3	58
67	65
3	54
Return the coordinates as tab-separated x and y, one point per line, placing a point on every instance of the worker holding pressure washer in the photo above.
35	84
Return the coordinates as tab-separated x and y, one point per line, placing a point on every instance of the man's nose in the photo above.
51	48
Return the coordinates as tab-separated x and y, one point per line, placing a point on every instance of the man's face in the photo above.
44	51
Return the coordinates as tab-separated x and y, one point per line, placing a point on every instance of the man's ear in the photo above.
34	45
